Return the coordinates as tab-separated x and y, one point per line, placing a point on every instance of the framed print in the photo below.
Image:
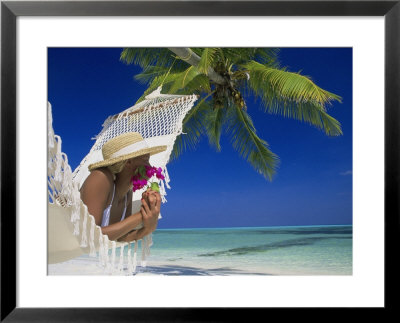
37	37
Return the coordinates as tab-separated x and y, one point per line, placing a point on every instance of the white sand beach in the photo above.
82	267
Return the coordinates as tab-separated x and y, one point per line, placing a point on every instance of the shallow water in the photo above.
285	250
311	250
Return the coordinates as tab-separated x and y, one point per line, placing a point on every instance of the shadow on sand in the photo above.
174	270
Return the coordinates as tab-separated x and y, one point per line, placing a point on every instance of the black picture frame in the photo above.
10	10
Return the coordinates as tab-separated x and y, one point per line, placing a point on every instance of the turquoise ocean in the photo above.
289	250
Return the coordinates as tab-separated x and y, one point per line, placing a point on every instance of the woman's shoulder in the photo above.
96	191
101	177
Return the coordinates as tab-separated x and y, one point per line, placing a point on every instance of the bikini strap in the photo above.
112	199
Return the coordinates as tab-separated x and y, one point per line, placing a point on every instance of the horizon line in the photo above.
254	227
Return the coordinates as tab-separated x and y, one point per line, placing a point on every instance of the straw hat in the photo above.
124	147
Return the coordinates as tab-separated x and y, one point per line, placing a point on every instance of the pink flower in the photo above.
143	175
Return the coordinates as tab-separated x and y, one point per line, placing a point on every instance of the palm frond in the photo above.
238	55
147	56
198	84
294	96
192	129
176	80
274	85
150	73
183	78
267	56
155	77
244	139
214	121
206	60
318	117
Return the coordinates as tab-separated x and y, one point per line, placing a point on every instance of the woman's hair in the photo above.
117	167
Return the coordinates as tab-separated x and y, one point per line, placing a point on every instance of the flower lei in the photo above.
143	174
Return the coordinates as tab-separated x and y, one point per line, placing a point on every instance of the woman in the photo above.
107	191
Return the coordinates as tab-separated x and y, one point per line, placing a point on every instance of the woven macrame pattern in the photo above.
159	120
158	116
152	120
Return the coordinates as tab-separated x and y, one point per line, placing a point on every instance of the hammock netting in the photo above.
72	231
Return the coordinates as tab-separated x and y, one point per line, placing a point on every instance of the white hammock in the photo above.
71	229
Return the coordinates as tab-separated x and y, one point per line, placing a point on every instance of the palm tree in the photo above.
225	78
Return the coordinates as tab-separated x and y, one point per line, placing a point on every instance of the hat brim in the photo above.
108	162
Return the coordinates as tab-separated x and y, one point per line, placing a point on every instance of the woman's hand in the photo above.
152	197
150	210
149	192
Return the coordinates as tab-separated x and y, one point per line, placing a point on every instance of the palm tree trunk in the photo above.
192	58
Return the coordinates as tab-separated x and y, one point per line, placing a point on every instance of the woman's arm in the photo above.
134	235
95	193
119	229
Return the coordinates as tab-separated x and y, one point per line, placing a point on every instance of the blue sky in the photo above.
313	184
